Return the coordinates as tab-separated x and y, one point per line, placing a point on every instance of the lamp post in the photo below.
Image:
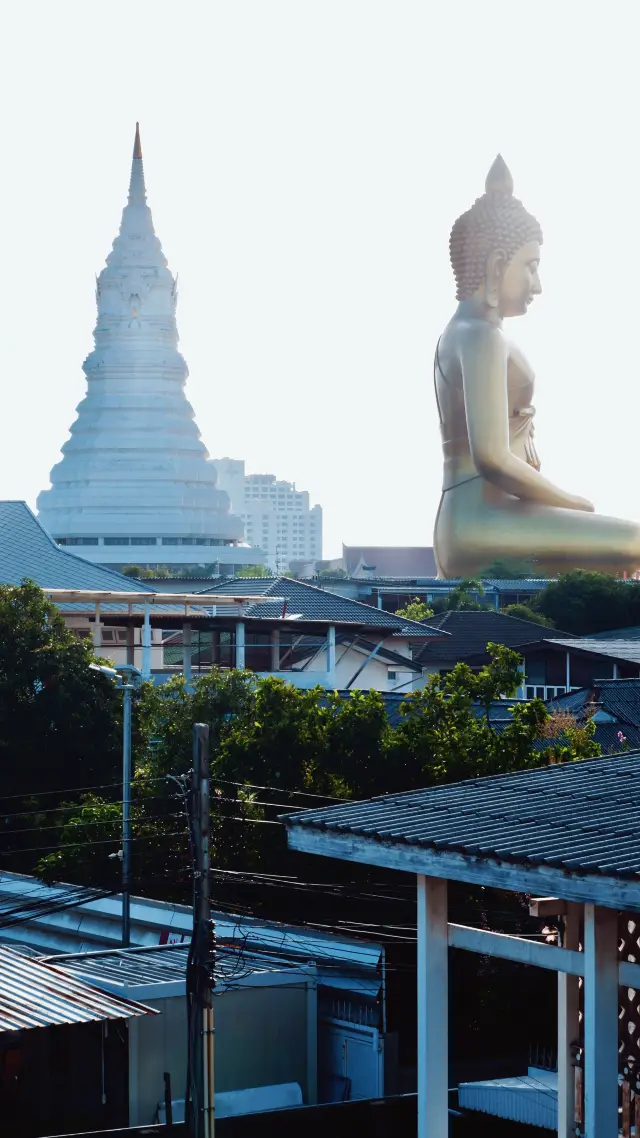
127	679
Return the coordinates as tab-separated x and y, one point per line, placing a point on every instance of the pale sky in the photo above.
305	160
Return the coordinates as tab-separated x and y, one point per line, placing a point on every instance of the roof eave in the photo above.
542	881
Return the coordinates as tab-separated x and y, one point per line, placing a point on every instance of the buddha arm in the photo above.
483	359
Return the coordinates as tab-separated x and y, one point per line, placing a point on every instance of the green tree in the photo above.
462	598
139	571
582	602
524	612
254	571
59	717
510	569
415	610
332	573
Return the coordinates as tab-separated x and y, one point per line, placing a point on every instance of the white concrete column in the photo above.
240	654
275	650
146	644
615	670
600	1022
186	651
568	1029
433	1009
567	670
96	631
331	648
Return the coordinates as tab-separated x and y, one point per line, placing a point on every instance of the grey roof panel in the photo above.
27	551
577	816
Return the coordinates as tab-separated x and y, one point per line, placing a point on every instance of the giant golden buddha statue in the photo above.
495	502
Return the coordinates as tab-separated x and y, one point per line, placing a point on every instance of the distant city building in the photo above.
136	484
277	517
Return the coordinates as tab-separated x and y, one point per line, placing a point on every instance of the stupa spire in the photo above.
137	189
135	468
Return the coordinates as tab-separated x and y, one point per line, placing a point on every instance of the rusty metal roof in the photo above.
34	994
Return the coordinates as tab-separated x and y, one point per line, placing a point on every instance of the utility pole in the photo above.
201	1117
127	691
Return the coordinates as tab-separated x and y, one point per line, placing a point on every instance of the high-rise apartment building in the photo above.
277	517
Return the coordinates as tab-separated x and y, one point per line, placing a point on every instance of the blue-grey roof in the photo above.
579	817
312	603
471	631
27	551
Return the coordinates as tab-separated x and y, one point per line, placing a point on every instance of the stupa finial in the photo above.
499	178
137	189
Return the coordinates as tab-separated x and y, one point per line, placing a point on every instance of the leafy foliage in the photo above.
254	571
415	610
273	745
582	602
59	718
525	612
463	598
510	569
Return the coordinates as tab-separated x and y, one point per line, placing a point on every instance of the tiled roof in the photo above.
312	603
27	550
472	631
620	698
579	817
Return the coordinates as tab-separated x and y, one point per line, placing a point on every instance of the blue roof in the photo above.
27	551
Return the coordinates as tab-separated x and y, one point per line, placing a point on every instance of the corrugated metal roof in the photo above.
27	550
34	994
628	650
531	1098
581	817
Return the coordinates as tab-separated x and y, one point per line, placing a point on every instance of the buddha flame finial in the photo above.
499	178
137	147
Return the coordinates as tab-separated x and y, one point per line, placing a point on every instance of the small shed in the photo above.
569	834
62	1049
266	1013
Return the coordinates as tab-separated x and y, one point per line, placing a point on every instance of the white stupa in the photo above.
135	471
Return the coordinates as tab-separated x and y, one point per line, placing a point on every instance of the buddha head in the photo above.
495	248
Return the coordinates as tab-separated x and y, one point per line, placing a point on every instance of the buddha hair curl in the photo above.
497	220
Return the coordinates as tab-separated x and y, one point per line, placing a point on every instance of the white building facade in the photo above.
277	517
135	483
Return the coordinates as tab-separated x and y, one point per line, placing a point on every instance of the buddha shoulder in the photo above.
475	338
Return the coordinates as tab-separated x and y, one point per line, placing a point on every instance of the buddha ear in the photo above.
496	265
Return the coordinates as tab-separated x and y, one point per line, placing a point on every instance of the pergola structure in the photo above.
236	630
567	833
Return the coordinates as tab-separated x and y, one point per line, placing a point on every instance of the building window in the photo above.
77	540
116	541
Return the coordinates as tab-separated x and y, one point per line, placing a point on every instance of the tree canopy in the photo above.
415	610
59	718
525	612
277	748
582	602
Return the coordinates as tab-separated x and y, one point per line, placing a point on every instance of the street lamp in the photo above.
127	679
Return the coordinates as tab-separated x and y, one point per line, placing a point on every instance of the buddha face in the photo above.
517	281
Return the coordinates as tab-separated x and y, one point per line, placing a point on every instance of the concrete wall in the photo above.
264	1035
